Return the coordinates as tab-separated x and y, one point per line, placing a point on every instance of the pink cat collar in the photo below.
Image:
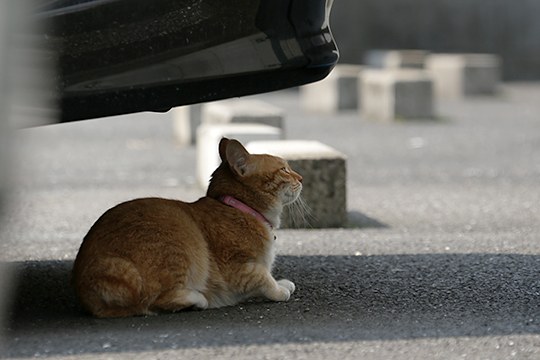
237	204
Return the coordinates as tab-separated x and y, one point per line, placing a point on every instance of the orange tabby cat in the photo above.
154	254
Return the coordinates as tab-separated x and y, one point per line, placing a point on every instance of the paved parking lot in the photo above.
441	258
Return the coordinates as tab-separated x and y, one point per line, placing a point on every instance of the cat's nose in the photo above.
300	178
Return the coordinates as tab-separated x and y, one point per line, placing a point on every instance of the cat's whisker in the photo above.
300	213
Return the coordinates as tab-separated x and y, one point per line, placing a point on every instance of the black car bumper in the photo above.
124	56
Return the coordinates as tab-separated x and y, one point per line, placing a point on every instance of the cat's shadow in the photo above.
338	298
357	219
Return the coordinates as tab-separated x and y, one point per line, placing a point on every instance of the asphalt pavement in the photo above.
440	259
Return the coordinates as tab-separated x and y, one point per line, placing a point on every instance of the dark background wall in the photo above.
509	28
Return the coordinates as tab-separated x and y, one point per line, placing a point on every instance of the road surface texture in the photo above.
441	258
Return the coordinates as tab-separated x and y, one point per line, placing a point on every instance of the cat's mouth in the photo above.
292	194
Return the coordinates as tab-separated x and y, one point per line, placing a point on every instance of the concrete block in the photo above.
460	75
324	185
395	59
208	137
186	120
250	111
338	91
397	95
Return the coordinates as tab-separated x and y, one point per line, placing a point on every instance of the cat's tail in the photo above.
111	287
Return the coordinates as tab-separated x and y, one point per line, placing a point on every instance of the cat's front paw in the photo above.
200	302
288	285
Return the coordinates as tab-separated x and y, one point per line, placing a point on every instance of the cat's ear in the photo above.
236	156
223	148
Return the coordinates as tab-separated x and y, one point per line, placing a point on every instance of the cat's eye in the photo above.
284	169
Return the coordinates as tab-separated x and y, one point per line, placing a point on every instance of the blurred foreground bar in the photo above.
26	99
